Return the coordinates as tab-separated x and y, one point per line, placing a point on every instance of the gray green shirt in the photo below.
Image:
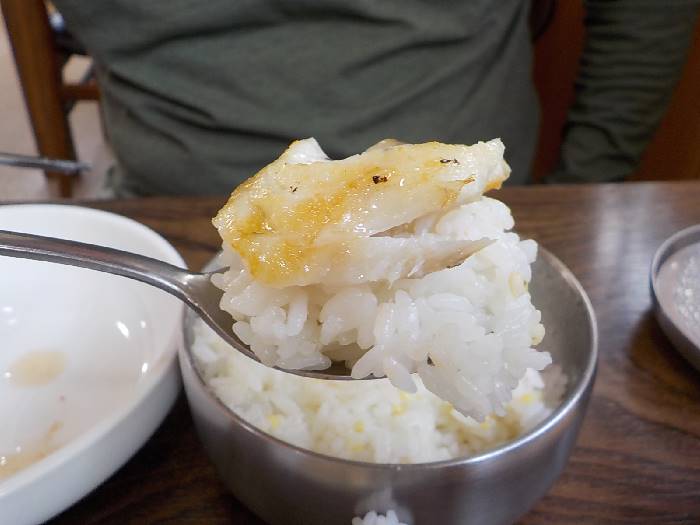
198	96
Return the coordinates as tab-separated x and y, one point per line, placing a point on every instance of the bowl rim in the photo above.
677	241
73	448
562	411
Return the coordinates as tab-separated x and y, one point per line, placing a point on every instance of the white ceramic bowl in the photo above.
87	362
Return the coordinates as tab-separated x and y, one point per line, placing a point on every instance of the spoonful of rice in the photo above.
389	263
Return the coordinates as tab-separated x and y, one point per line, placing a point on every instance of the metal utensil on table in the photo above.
43	163
681	330
195	289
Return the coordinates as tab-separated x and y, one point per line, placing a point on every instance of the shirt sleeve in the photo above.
633	56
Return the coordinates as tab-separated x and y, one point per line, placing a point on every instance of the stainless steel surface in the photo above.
195	289
676	332
284	484
42	163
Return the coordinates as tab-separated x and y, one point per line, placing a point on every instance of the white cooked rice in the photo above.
363	420
467	331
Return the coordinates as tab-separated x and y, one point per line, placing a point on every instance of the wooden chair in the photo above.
41	51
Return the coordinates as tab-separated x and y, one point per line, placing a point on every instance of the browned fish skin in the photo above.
293	218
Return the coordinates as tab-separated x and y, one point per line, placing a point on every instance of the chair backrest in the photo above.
541	14
557	53
674	152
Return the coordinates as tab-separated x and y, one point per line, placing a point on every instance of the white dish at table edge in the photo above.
50	485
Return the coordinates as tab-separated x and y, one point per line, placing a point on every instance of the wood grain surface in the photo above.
637	459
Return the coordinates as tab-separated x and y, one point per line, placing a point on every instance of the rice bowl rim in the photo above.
563	409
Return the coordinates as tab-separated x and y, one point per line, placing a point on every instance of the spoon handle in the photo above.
25	161
151	271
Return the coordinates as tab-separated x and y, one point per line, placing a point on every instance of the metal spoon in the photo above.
43	163
195	289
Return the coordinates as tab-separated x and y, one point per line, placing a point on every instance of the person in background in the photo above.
198	96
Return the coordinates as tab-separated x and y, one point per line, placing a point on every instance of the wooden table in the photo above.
638	455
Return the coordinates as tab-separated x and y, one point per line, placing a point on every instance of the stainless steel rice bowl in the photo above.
284	484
